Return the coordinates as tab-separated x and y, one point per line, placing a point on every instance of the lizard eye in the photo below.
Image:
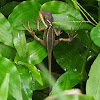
44	18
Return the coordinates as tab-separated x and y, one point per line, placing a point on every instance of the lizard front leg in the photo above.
33	33
38	26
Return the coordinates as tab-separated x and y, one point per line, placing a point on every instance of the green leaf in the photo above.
34	71
63	82
4	88
7	51
35	53
19	40
5	31
26	81
95	35
2	2
68	56
64	12
84	37
25	11
10	97
6	66
67	80
67	21
75	77
37	86
93	83
8	8
60	7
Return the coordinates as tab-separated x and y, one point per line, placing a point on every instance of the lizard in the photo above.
49	33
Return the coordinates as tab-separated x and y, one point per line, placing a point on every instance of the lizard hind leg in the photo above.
76	29
71	36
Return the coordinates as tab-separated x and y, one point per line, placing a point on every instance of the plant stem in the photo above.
83	67
86	12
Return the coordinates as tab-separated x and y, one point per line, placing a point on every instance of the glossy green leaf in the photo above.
7	9
26	81
75	77
5	31
67	80
6	66
25	11
95	35
34	71
37	86
84	37
7	51
63	82
93	83
4	88
19	40
64	12
61	20
60	7
35	53
68	56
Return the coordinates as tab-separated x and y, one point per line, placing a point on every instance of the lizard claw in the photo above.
58	32
71	35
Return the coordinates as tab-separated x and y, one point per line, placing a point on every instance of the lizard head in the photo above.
46	17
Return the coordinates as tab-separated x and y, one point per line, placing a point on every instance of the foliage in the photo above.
22	59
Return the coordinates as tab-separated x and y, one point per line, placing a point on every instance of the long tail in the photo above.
49	63
49	60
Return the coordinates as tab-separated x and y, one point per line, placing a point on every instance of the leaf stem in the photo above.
72	22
